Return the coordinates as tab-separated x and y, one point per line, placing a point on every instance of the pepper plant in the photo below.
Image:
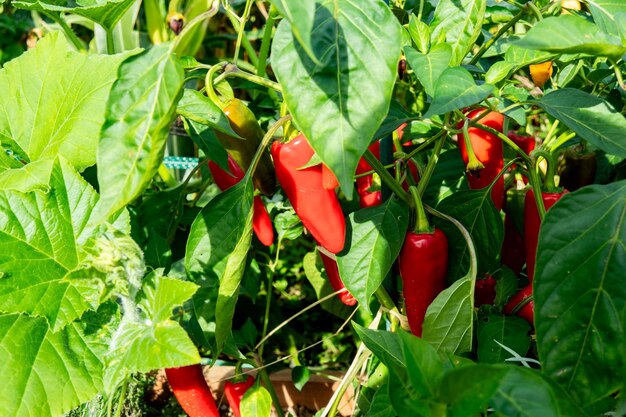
360	131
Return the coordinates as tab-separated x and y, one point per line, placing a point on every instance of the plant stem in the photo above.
232	71
386	177
245	42
110	42
242	28
266	141
495	37
265	43
421	221
385	300
473	164
208	83
432	163
78	44
120	403
549	185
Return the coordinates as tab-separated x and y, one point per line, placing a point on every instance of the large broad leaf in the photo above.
527	393
215	256
46	374
461	22
141	107
375	237
156	342
580	293
605	13
449	318
456	89
41	241
256	402
429	67
468	389
475	210
53	102
340	102
106	13
591	117
571	34
301	16
448	177
497	330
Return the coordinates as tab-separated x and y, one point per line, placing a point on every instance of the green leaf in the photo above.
203	136
381	404
374	238
475	210
288	225
312	265
256	402
468	389
197	107
156	342
527	393
499	71
448	177
67	123
429	67
512	332
591	117
140	110
42	237
567	34
420	34
217	246
461	22
106	13
157	253
520	57
605	13
48	373
350	89
456	89
301	17
300	376
449	318
579	291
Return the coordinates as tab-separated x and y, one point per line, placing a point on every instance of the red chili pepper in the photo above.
525	142
368	198
261	221
532	224
488	150
527	306
329	181
317	207
234	392
485	291
513	252
191	391
423	267
335	280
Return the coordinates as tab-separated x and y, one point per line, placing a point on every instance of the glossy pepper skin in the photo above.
335	280
527	311
532	225
191	391
368	198
234	392
261	221
525	142
423	264
485	291
318	208
541	73
244	123
329	181
488	150
513	252
577	169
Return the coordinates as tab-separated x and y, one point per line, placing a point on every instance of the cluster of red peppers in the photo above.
483	155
